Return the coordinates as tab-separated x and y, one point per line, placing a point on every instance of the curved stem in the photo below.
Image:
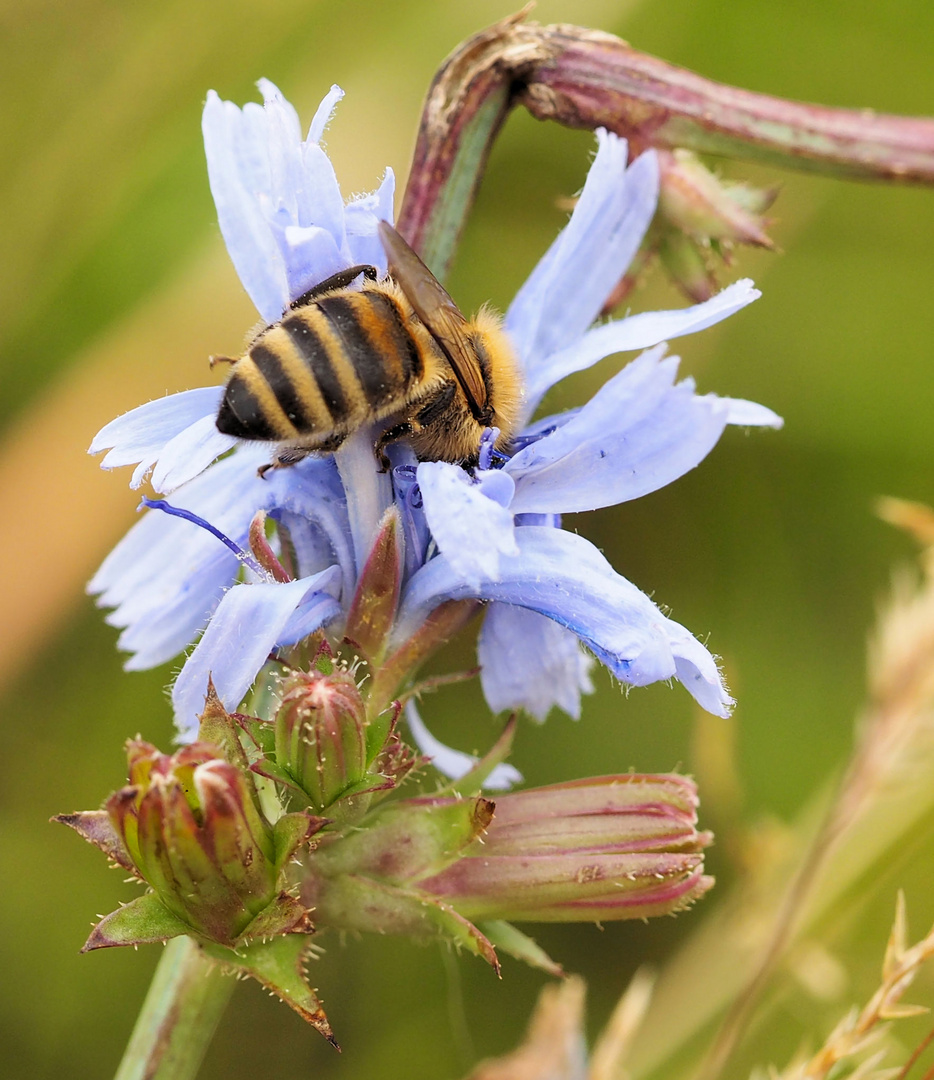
587	79
186	1000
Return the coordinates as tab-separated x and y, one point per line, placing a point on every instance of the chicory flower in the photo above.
490	534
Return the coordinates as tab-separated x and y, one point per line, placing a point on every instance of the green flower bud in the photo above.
320	735
699	203
190	826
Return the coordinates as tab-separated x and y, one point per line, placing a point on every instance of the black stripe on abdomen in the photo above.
402	342
241	413
312	350
373	369
269	365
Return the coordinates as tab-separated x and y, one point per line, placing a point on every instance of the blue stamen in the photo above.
485	454
187	515
488	454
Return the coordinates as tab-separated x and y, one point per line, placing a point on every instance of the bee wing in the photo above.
438	312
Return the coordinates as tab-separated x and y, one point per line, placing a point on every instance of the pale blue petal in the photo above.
311	543
637	434
750	414
282	142
246	626
312	494
636	332
157	632
698	671
239	172
567	290
529	662
496	484
472	531
316	608
368	491
278	200
324	113
166	575
311	254
455	763
361	218
319	195
140	435
189	454
563	576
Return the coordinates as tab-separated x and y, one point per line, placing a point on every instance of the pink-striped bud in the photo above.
190	826
613	847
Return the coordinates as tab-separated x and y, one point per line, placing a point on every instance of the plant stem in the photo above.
587	79
186	1000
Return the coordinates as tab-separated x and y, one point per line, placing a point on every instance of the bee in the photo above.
396	352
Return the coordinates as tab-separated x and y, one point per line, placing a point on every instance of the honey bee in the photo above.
397	352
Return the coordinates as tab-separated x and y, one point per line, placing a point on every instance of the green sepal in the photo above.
96	827
411	839
217	727
140	922
472	782
279	966
370	783
353	902
505	937
444	623
261	732
279	773
285	915
291	831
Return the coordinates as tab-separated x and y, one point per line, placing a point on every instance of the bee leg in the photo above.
399	431
340	280
287	456
430	409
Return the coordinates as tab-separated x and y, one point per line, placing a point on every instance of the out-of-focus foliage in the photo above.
115	287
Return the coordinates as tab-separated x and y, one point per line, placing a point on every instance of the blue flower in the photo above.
492	533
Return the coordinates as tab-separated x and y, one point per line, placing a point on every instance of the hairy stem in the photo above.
186	1000
587	79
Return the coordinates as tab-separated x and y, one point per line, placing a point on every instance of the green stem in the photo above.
186	1000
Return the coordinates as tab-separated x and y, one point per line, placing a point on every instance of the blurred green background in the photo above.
114	287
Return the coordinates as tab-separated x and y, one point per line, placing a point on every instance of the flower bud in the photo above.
614	847
697	202
191	827
320	735
367	879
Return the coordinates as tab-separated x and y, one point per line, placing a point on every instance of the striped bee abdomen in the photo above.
326	368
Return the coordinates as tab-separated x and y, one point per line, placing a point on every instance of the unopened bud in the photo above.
320	735
699	203
616	847
367	879
190	826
